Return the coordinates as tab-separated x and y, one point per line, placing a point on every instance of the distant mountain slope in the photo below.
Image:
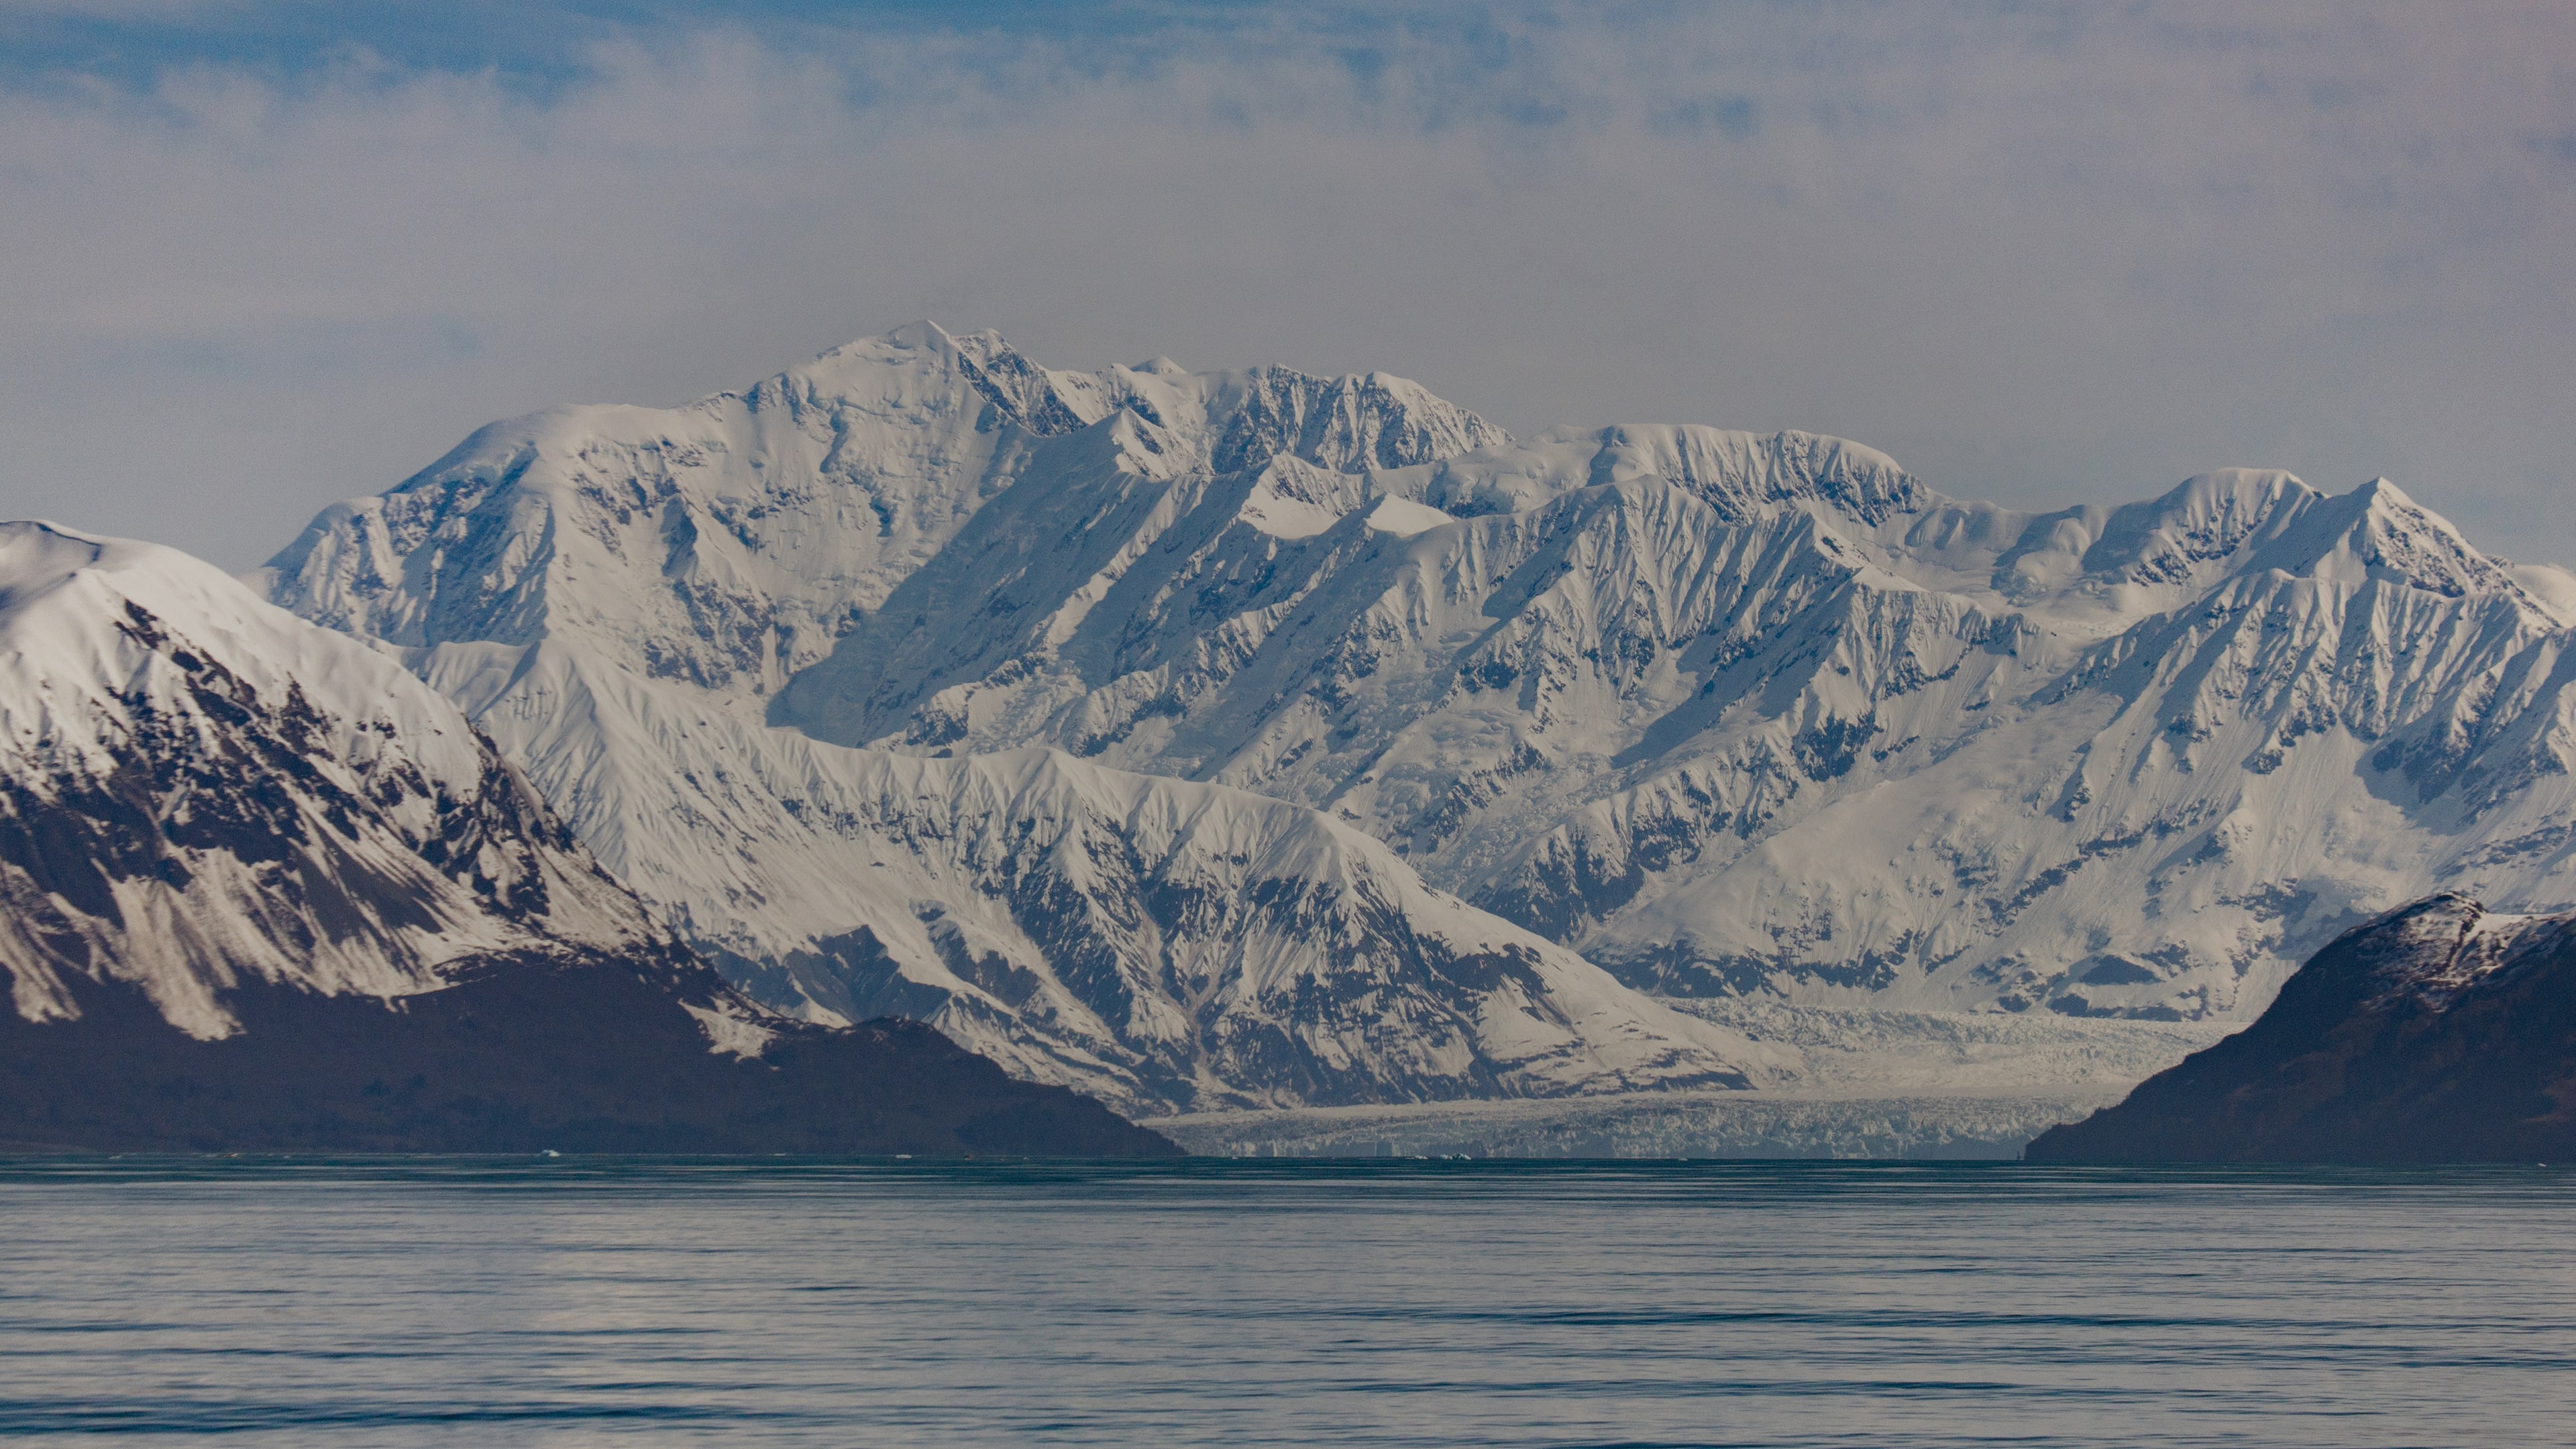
2440	1033
1738	714
1162	944
1724	712
261	887
1168	945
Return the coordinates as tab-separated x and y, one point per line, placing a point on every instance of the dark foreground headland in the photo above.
2438	1033
592	1054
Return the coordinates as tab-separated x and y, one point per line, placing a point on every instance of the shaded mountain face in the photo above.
1720	712
262	888
568	1052
2441	1033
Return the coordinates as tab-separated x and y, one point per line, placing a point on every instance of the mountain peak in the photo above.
2377	532
921	334
37	557
202	789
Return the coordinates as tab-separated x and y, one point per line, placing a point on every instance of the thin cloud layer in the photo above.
2038	256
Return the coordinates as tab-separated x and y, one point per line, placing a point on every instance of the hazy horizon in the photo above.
271	256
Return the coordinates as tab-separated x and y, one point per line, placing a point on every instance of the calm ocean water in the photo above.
582	1301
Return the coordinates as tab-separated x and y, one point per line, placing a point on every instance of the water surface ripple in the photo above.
579	1301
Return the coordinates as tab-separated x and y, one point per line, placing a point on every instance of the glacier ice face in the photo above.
1725	713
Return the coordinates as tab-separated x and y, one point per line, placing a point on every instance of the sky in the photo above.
260	257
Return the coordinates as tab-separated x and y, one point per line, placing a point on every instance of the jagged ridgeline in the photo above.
262	888
1265	738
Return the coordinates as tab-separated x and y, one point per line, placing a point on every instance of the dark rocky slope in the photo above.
590	1053
2440	1033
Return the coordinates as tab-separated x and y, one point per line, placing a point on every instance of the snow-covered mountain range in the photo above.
1267	739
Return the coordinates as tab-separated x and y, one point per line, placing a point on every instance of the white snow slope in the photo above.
1728	714
199	790
613	594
